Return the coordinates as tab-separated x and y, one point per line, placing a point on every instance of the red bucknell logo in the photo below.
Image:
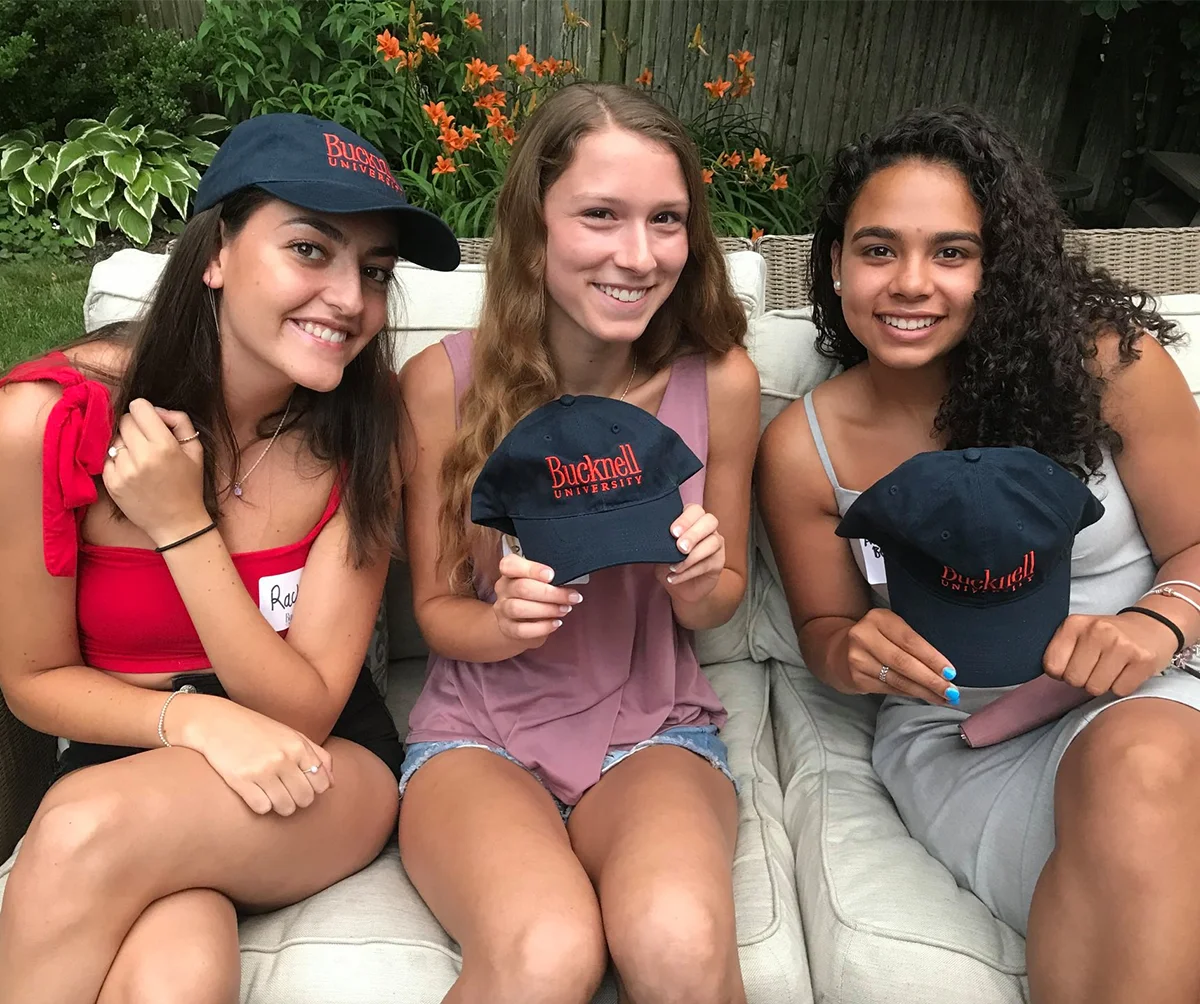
350	157
592	475
1009	583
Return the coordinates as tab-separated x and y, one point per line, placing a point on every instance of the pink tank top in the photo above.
620	669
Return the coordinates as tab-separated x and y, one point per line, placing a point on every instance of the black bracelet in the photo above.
1163	620
200	533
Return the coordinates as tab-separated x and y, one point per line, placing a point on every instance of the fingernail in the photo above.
548	575
558	624
576	598
676	531
952	695
564	610
683	546
949	673
670	579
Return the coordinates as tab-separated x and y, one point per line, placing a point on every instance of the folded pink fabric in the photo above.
1021	710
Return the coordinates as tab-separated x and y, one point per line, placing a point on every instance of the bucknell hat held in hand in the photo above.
586	483
977	550
321	165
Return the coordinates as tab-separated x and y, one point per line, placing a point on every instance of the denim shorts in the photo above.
699	739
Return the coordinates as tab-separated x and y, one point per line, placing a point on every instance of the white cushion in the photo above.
884	921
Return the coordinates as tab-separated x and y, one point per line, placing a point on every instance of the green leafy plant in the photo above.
32	236
108	174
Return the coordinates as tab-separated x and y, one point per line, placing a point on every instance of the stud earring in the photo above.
837	285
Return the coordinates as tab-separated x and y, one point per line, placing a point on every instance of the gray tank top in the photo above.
1111	564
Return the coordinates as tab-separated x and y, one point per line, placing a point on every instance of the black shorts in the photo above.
365	720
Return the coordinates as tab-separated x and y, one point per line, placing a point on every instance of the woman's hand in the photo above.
914	667
269	765
697	574
527	608
1117	653
156	477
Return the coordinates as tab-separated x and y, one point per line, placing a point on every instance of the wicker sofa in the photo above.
835	902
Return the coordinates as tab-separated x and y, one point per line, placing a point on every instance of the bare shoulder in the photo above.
733	374
24	410
1150	387
788	463
427	380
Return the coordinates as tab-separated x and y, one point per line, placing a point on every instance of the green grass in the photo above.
41	306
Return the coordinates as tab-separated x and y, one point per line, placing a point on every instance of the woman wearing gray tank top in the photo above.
940	283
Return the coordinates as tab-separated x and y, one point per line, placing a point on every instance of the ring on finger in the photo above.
114	450
188	439
314	769
883	672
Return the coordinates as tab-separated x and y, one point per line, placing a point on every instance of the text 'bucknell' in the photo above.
591	475
358	159
959	583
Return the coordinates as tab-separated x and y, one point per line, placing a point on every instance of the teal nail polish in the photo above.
952	695
949	673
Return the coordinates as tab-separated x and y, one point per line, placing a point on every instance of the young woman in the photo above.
582	704
941	285
188	592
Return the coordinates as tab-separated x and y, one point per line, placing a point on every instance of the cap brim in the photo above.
990	644
422	237
577	545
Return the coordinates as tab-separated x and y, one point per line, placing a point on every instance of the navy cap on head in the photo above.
323	166
586	483
977	550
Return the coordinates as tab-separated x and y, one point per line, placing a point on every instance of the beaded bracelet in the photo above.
187	688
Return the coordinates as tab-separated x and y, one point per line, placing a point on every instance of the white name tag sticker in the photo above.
510	545
277	596
872	562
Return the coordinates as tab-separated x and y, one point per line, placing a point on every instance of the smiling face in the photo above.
910	263
616	236
302	292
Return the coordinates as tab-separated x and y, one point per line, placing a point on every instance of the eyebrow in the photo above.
941	237
334	234
615	200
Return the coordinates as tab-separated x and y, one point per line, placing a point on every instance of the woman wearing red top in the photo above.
222	755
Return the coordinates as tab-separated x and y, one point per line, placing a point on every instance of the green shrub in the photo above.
68	59
28	236
108	174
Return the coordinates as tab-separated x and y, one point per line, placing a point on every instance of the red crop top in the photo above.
131	617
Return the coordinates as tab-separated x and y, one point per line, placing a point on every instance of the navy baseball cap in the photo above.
586	483
321	165
977	551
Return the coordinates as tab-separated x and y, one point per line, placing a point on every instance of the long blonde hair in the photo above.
512	371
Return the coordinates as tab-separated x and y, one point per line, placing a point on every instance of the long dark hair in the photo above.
175	363
1025	373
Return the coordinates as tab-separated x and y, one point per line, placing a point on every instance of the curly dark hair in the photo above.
1023	374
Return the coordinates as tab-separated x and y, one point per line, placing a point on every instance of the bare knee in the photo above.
558	957
675	945
1129	783
178	973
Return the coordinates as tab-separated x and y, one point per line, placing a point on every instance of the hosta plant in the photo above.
109	174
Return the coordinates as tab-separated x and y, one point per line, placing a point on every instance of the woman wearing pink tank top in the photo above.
581	703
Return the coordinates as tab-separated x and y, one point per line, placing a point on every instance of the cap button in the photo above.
567	400
972	455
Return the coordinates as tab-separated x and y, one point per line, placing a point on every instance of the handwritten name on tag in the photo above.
872	562
277	595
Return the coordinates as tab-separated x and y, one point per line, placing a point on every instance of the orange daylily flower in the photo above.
756	233
473	22
551	66
389	45
496	118
493	99
479	72
409	61
707	175
521	59
430	43
567	67
730	159
717	88
780	182
509	134
759	160
644	77
741	59
437	113
468	136
451	139
444	165
745	82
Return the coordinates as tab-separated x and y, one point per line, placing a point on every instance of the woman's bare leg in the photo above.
110	840
485	846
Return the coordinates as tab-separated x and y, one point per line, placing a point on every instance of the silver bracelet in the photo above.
187	688
1162	589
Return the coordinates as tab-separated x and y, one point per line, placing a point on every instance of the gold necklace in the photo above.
237	485
632	374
